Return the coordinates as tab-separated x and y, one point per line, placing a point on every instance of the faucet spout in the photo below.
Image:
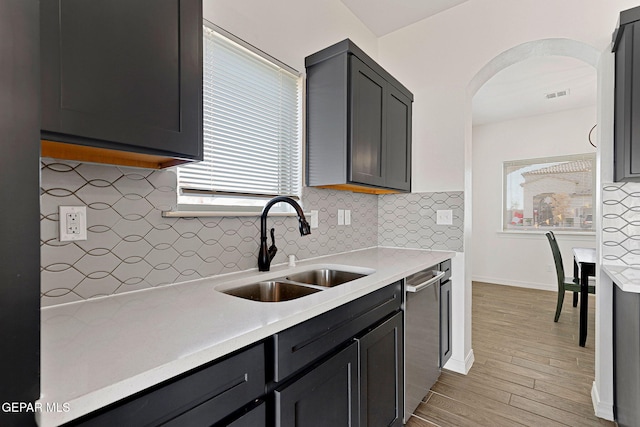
267	253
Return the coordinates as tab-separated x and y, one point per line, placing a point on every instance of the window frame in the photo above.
195	202
537	229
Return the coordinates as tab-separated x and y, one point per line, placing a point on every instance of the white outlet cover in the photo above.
347	217
314	219
444	217
80	213
340	216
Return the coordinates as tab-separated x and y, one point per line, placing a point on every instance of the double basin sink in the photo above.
295	285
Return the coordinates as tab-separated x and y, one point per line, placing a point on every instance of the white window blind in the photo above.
251	119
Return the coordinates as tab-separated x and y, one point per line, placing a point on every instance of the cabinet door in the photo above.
325	396
381	374
368	126
445	322
627	105
123	74
398	141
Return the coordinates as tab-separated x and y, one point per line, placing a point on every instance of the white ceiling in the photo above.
385	16
517	91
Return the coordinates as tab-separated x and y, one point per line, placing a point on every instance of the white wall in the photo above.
521	259
290	30
436	58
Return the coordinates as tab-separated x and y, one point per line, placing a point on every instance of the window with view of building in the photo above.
550	193
252	122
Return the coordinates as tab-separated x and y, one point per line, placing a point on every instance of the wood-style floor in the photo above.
528	370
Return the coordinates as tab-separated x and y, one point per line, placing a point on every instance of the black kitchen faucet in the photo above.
266	255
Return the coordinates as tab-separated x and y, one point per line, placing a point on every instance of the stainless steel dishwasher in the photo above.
421	336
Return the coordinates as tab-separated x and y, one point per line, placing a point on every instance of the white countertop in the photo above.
625	277
98	351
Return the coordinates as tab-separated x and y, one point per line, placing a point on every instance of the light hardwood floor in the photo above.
528	370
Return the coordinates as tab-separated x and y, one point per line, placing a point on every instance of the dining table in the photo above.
584	265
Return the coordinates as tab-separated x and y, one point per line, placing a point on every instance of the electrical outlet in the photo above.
314	219
340	216
444	217
73	223
347	217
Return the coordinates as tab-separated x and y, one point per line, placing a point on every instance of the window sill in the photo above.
588	235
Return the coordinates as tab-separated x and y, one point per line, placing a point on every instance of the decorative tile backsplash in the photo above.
409	221
621	224
130	246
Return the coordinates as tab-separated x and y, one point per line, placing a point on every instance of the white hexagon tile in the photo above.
131	246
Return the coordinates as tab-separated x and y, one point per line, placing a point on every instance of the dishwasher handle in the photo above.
425	284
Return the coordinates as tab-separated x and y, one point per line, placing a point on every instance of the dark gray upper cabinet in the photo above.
626	45
123	75
358	123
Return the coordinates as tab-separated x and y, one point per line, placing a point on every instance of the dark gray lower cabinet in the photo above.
626	357
201	397
361	385
326	396
381	374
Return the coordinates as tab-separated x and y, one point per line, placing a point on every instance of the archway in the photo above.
546	47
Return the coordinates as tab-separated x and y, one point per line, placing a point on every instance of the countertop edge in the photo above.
620	275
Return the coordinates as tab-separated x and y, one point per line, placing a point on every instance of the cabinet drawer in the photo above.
446	267
326	396
300	345
200	397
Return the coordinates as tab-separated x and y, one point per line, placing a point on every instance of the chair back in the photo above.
557	258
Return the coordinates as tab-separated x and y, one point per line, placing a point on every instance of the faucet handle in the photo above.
272	248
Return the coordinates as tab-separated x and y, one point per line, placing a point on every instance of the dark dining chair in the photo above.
564	283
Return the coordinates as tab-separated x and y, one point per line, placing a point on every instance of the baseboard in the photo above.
516	283
461	366
602	409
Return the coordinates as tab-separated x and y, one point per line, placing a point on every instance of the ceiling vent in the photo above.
558	94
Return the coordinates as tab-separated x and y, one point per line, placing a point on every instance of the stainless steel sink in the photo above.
271	291
324	277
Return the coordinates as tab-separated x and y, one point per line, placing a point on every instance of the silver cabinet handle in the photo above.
421	286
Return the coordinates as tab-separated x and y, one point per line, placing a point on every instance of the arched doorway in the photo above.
540	48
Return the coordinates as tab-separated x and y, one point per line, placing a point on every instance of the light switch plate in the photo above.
347	217
340	216
314	219
444	217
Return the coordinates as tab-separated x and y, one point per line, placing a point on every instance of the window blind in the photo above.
251	120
